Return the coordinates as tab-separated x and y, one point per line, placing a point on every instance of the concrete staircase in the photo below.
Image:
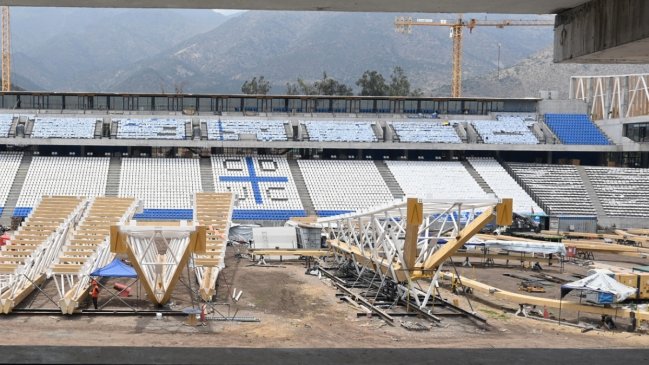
389	179
14	192
591	191
302	191
476	176
207	177
112	181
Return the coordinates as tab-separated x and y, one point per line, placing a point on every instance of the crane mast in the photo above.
404	25
6	50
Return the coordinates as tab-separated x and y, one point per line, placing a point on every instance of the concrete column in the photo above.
603	31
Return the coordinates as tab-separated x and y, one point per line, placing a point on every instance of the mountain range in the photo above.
201	51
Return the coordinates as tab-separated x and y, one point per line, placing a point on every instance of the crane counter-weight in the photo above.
404	25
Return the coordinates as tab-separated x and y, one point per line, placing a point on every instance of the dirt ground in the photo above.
296	310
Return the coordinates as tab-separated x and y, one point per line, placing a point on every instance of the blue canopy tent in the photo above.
117	269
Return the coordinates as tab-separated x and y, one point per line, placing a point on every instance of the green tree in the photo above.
399	84
372	83
256	86
325	86
330	86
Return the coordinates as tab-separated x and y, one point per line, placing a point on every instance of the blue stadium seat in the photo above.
329	213
253	214
575	129
22	211
165	214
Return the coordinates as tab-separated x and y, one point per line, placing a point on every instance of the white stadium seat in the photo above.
50	127
10	162
344	185
504	185
425	132
622	192
75	176
507	130
151	128
436	180
232	129
339	131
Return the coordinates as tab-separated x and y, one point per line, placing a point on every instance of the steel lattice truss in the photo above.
374	239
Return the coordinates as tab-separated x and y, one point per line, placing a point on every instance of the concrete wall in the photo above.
562	107
603	31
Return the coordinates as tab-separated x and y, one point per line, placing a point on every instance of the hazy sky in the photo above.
227	11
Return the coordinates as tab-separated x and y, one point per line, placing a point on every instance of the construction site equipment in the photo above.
531	287
6	49
214	211
404	25
35	246
88	249
376	239
520	299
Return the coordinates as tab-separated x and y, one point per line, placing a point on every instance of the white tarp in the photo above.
522	246
602	283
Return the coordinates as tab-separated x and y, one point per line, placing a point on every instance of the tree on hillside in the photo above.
256	86
372	83
399	84
326	86
330	86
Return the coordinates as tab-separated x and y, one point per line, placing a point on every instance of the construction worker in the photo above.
94	292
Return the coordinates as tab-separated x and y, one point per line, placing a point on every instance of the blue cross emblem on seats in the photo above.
253	179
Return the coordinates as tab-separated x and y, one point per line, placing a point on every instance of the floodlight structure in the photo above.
410	239
158	253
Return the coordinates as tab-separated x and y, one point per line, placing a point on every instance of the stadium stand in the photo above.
506	130
5	124
10	162
504	185
558	187
575	129
263	185
425	132
64	127
343	186
339	131
166	186
436	180
231	129
72	176
151	128
621	191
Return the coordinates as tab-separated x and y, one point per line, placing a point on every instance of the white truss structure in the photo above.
52	214
88	249
612	96
158	254
374	240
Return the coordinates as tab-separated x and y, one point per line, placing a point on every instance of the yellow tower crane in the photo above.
6	50
404	25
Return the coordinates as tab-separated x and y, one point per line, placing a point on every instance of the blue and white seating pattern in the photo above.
558	187
435	180
342	186
621	191
232	129
339	131
504	185
6	120
50	127
264	186
575	129
10	162
166	186
74	176
425	132
151	128
505	131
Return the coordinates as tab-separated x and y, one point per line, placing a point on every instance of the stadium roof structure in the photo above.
420	6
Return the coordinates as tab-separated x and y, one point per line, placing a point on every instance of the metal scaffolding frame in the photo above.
410	239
